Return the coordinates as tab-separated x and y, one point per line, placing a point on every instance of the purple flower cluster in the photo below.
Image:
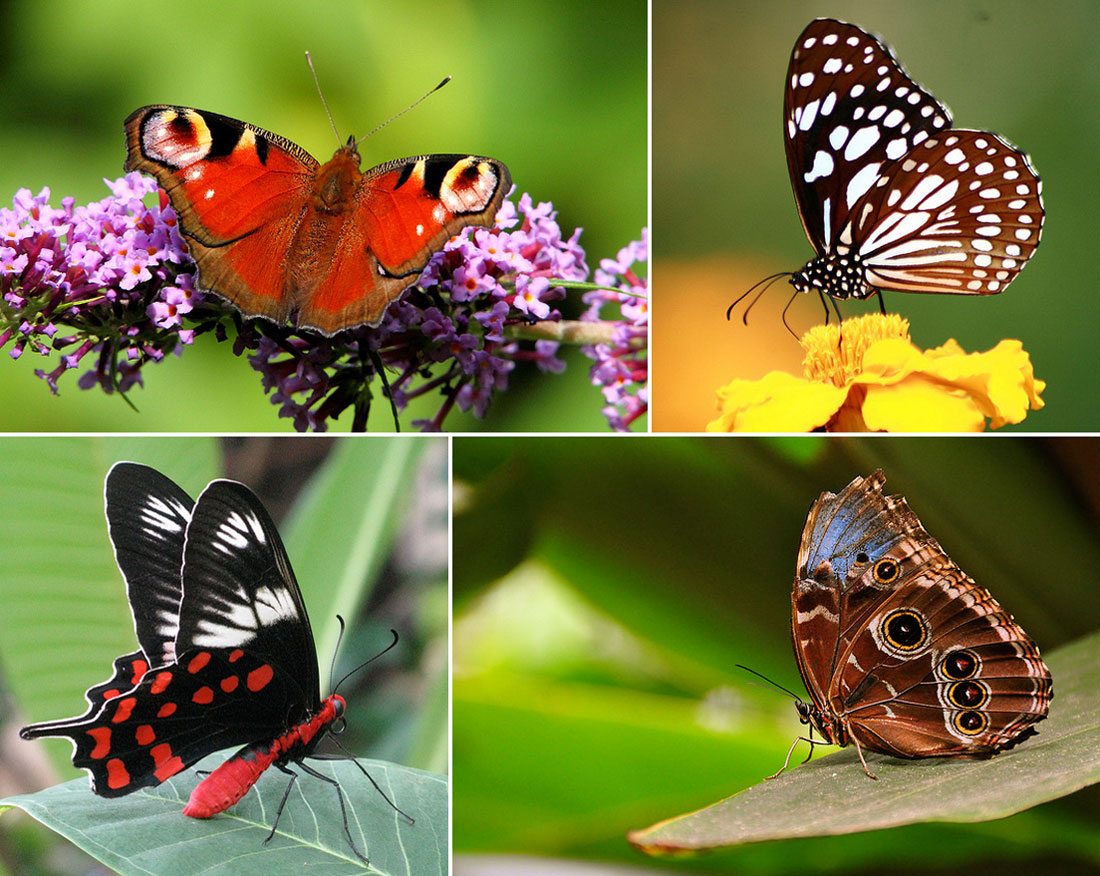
99	279
481	283
114	279
622	366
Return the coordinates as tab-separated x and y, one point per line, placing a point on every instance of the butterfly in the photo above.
901	651
284	237
226	652
889	194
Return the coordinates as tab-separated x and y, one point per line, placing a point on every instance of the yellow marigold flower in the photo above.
865	375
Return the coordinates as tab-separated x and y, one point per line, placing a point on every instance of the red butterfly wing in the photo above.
403	211
239	191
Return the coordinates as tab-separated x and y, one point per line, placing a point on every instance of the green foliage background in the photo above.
605	589
557	91
1028	70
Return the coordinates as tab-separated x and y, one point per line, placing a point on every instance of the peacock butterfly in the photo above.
283	237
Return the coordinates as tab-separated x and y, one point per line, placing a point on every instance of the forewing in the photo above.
849	110
147	516
239	590
239	192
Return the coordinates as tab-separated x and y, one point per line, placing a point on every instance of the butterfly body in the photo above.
227	784
889	195
284	237
900	650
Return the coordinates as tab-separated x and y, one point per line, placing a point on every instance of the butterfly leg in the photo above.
786	324
790	751
343	810
279	811
859	751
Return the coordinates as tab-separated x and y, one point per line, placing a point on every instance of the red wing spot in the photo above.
235	655
102	737
160	683
204	696
198	662
145	735
258	678
166	710
111	694
139	668
123	710
167	765
230	684
117	775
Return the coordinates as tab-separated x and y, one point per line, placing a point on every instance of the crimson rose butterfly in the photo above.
226	651
889	194
901	651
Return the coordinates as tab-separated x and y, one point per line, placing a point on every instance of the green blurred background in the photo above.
604	590
724	214
364	521
557	91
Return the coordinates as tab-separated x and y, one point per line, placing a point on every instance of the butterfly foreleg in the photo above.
790	751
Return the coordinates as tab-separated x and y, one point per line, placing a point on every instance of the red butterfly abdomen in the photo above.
231	781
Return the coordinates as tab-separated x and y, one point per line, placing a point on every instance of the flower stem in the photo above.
568	331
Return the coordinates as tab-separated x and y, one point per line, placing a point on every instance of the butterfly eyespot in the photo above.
862	558
886	571
968	694
960	665
970	722
905	630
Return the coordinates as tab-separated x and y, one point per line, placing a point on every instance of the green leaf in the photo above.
342	528
832	795
146	833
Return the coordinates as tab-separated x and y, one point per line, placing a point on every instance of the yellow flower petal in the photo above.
865	374
919	405
778	402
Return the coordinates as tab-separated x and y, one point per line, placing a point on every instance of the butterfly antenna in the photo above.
361	665
744	295
405	110
769	681
336	650
324	103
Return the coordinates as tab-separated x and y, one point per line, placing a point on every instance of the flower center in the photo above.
834	353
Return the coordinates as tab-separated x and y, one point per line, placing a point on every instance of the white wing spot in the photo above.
809	113
822	167
862	140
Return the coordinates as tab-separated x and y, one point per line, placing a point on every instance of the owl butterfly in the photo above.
900	650
282	236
